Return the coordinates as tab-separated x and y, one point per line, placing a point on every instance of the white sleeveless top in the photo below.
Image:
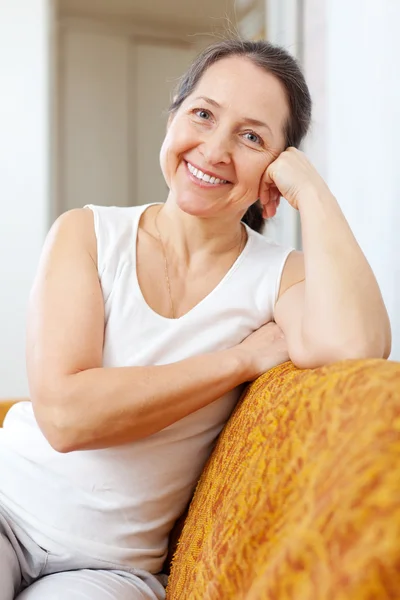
119	504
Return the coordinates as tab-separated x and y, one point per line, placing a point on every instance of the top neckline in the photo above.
220	284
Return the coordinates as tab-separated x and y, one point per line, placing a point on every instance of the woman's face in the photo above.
230	128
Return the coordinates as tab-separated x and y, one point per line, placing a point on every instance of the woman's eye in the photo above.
203	114
253	137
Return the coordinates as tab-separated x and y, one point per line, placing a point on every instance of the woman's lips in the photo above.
200	182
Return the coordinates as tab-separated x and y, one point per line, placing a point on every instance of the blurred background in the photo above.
85	85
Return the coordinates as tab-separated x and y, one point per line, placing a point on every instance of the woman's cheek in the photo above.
245	194
252	183
175	144
170	147
169	166
163	161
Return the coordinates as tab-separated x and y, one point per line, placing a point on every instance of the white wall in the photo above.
356	90
350	53
363	133
282	20
158	68
94	116
24	173
113	96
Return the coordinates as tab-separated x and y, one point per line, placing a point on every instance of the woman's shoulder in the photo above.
265	248
115	229
113	212
112	223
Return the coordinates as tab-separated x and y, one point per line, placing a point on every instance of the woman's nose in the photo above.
216	148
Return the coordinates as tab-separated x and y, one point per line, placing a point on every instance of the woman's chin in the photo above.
197	207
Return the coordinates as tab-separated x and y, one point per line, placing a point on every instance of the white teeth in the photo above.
200	175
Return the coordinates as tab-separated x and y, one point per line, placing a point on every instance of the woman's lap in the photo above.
88	584
9	569
29	572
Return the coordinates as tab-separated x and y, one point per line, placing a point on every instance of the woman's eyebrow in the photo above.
257	123
209	100
248	120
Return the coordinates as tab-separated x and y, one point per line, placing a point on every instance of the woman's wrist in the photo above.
314	197
240	364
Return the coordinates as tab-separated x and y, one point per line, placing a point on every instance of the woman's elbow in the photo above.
320	356
55	421
376	344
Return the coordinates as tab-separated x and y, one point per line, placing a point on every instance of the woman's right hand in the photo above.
264	349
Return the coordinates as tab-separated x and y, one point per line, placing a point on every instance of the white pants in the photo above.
29	572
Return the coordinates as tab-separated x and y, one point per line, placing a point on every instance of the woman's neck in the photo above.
191	236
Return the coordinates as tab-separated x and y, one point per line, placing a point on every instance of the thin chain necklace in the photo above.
241	246
165	264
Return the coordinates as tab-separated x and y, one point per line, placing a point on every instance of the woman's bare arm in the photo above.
335	310
81	405
332	308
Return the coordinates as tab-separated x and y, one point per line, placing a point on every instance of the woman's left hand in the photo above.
292	176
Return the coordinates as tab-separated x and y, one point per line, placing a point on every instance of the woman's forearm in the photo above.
343	303
104	407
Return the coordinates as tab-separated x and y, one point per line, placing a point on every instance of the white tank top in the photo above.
119	504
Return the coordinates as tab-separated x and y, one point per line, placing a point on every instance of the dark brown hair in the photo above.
274	60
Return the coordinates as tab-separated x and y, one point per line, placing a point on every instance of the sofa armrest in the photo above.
300	497
5	405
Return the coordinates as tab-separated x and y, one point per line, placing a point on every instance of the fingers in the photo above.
270	198
268	175
269	193
264	200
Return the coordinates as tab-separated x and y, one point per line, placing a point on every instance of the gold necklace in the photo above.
165	264
241	246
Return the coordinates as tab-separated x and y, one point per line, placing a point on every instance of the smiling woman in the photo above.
146	322
215	132
287	103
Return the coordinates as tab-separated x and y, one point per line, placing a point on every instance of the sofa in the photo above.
300	498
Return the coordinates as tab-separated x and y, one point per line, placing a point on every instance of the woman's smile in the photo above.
204	179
